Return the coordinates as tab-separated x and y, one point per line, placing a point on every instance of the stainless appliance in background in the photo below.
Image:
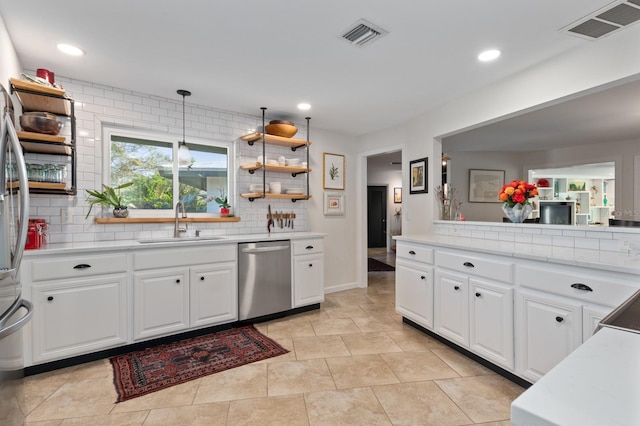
14	218
264	278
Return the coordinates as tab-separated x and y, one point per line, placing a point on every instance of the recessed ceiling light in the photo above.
489	55
70	50
304	106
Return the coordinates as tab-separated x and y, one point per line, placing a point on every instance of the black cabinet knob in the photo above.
412	252
178	281
201	278
456	287
478	294
311	265
422	277
50	298
559	319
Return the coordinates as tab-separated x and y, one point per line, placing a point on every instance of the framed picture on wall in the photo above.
484	185
332	171
418	176
334	204
397	195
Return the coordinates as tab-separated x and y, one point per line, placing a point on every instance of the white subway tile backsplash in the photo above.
587	243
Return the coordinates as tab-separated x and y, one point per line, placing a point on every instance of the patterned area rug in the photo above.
152	369
377	266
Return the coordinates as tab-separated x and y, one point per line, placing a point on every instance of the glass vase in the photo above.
518	213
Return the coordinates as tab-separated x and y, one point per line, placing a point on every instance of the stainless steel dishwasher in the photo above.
264	278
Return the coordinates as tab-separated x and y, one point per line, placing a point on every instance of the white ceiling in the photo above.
241	55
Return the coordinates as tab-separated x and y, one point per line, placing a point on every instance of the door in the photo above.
377	216
451	307
213	294
414	292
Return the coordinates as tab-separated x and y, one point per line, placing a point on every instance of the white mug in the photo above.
281	160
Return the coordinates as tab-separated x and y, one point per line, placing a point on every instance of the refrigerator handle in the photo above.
4	332
24	194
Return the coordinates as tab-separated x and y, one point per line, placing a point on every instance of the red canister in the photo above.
33	239
46	75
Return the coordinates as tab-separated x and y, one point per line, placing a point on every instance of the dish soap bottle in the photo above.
604	199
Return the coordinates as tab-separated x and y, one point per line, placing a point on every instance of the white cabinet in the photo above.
213	295
161	302
549	329
80	304
451	306
177	290
491	321
414	291
591	317
308	272
78	316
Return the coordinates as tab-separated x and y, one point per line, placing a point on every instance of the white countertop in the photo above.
597	384
96	246
596	259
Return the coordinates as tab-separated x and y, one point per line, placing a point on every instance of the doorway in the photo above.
376	216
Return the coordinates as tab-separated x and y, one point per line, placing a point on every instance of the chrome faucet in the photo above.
176	229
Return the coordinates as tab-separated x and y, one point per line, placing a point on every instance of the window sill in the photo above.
113	220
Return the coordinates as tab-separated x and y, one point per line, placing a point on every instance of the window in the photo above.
150	161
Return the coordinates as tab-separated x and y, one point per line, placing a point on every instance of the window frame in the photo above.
174	140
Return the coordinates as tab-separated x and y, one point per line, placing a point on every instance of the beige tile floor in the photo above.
353	362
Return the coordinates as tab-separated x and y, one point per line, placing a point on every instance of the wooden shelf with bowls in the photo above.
40	185
293	197
294	170
275	140
41	98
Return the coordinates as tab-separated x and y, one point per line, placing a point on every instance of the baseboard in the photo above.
340	287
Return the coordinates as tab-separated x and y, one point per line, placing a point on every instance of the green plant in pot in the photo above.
223	202
109	197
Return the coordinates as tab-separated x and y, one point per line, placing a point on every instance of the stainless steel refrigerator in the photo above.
15	312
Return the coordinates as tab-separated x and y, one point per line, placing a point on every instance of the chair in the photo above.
619	222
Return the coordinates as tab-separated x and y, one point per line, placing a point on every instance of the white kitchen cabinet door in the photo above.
451	306
161	302
213	294
591	317
74	317
549	329
491	325
414	292
308	279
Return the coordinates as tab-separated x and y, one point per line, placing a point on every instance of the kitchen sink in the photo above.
179	240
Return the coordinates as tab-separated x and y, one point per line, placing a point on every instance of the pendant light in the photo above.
184	154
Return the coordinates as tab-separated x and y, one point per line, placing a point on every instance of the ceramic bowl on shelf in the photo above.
257	187
40	122
292	161
283	130
272	162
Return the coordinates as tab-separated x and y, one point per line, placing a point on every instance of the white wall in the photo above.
593	64
8	58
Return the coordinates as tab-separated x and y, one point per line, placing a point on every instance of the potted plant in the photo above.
109	197
223	202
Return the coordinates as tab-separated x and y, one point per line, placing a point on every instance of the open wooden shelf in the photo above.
40	185
275	140
273	168
113	220
40	143
53	100
293	197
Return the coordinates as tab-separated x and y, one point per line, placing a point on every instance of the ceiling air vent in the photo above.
605	21
362	33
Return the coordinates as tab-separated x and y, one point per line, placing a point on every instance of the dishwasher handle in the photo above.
257	250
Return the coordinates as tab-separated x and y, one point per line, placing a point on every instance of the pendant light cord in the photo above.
184	94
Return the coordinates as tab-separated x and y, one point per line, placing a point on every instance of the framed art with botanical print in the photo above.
333	171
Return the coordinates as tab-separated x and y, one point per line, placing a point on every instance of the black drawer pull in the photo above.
422	277
580	286
50	298
478	294
82	266
559	319
309	247
469	265
411	252
456	287
311	265
201	278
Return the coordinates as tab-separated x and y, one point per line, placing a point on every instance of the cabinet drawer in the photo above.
315	245
70	267
414	252
167	258
574	283
474	265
